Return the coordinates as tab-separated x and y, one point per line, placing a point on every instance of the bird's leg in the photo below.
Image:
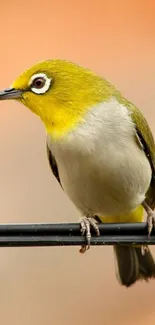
86	223
150	217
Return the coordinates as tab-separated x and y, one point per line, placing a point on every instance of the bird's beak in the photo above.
11	93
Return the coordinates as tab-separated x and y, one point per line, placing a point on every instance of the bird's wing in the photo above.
53	164
145	137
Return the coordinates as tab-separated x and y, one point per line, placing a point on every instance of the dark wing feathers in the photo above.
53	164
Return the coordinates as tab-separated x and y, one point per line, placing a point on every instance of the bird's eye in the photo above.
38	83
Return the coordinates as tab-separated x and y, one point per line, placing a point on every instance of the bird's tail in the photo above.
132	264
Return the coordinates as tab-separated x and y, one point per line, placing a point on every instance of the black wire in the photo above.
69	234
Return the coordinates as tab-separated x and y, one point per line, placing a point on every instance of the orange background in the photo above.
57	285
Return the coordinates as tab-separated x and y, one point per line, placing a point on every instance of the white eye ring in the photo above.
44	88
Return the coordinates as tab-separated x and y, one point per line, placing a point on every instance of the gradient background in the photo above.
57	285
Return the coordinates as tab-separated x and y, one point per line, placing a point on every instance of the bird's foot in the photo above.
86	223
144	249
150	217
150	222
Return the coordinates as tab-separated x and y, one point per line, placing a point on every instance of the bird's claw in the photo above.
144	249
150	217
150	221
86	223
150	225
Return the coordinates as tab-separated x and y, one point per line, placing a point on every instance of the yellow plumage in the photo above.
64	106
136	215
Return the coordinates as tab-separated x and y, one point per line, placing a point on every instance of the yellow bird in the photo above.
100	149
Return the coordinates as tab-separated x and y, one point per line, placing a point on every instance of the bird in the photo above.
100	149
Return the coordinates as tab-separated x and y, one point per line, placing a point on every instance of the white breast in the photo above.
102	168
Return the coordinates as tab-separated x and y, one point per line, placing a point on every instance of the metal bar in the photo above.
72	228
26	235
27	241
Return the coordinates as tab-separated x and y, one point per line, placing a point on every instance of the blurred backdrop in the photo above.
43	286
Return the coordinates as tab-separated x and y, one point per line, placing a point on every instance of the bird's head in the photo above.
59	92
